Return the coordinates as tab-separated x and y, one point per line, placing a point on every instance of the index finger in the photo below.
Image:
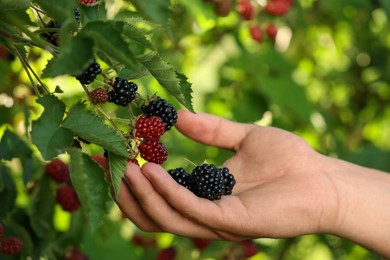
212	130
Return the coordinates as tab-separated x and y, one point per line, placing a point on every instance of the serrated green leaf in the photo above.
42	208
117	166
88	178
12	5
46	132
186	92
72	60
176	84
84	123
154	10
12	146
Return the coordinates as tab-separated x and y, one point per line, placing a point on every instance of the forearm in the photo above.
363	213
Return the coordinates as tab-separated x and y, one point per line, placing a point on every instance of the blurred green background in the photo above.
326	77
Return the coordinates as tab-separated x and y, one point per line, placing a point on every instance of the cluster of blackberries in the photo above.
89	75
123	92
206	180
161	108
157	118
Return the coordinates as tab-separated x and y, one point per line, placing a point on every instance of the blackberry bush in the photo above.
89	75
123	92
161	108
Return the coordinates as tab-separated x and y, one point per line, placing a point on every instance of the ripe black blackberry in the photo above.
89	75
52	37
161	108
77	14
180	176
123	92
207	181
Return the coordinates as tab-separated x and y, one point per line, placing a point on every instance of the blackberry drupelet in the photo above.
180	176
89	75
207	181
161	108
123	92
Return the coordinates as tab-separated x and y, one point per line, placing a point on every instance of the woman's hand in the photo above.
284	188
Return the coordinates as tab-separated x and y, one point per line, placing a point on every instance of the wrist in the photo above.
361	205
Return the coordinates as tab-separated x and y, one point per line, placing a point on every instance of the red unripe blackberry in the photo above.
98	96
250	249
271	31
150	127
11	246
256	33
1	230
180	176
75	254
166	254
143	241
67	197
201	244
58	170
161	108
87	2
278	7
123	92
153	151
245	8
222	7
89	75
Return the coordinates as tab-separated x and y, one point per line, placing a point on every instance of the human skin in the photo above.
284	189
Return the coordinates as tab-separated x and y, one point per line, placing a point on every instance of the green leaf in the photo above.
176	84
92	189
93	13
186	91
42	208
72	60
107	36
59	11
12	146
137	36
154	10
46	132
84	123
117	165
12	5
